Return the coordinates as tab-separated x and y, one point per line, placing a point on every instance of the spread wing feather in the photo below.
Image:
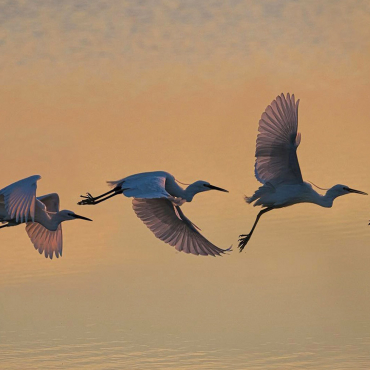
44	240
20	197
277	142
169	224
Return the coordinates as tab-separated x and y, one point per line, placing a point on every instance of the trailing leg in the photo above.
90	200
244	238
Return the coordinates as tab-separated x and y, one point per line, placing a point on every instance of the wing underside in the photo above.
44	240
169	224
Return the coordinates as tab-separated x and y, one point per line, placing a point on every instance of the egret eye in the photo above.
70	214
345	189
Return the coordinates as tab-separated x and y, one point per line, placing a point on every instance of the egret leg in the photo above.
244	238
89	196
4	226
90	200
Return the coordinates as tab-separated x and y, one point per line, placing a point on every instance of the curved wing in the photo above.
44	240
277	142
20	197
51	202
169	224
143	185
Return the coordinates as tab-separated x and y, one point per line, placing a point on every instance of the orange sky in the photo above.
96	92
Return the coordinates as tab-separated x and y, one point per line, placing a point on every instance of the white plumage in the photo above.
157	201
18	204
277	166
19	199
277	143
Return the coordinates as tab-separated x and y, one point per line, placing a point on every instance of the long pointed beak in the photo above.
82	217
217	188
357	191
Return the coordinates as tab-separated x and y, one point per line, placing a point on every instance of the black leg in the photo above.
90	200
110	196
244	238
118	188
89	196
4	226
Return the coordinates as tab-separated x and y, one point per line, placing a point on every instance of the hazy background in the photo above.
98	90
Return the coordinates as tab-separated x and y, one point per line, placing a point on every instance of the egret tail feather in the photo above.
247	199
117	183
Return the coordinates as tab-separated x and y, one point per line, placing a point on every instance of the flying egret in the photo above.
277	166
157	201
18	204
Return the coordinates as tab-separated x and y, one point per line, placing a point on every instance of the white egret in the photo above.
277	166
18	204
157	201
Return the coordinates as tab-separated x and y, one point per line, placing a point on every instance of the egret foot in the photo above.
89	199
243	240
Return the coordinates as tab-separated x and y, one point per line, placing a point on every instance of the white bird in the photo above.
18	204
157	201
277	166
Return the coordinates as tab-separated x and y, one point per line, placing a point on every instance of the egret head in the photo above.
66	215
339	190
205	186
198	187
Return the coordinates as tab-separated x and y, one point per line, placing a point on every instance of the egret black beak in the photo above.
82	217
216	188
356	191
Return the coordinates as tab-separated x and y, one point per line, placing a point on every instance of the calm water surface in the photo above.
129	351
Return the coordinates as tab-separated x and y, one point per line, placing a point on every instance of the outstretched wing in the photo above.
20	198
277	142
44	240
169	224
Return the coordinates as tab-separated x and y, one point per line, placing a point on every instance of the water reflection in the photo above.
134	351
